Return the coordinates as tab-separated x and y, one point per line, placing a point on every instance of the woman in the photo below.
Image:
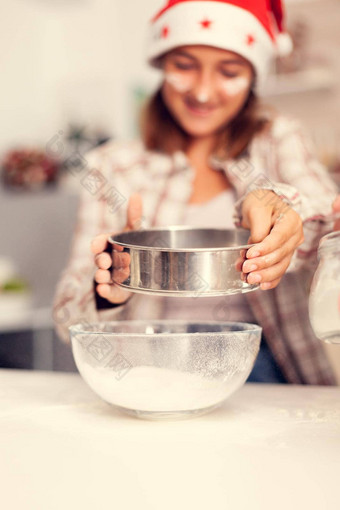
210	155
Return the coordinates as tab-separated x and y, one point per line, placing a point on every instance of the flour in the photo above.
324	309
178	82
148	388
235	85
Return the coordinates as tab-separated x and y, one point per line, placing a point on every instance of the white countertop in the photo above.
268	447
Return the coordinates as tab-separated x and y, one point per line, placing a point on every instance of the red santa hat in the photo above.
254	29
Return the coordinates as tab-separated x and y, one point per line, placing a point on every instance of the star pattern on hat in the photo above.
165	32
205	23
250	40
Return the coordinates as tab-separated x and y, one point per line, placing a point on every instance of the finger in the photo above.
259	221
120	259
271	273
270	285
336	204
269	244
288	227
99	243
102	276
272	258
113	293
103	261
121	274
117	247
134	211
336	209
240	260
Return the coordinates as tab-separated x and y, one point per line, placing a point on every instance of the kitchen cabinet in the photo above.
37	239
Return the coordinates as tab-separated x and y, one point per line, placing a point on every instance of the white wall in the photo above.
68	60
320	111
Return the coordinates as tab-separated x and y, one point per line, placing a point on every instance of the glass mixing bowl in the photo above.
165	369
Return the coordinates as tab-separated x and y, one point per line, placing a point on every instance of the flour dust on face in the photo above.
203	96
179	82
204	87
183	84
235	86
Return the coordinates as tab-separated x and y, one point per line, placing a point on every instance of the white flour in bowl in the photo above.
148	388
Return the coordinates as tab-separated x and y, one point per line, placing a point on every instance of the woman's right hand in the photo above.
120	263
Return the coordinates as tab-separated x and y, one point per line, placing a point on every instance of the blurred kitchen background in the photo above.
73	75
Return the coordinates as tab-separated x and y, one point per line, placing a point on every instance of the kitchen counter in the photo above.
268	446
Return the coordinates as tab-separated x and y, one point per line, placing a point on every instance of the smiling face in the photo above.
204	88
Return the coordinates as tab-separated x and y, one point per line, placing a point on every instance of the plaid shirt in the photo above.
281	159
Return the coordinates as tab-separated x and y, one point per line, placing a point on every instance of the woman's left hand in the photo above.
277	230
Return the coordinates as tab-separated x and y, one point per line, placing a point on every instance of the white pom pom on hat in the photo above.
252	28
284	45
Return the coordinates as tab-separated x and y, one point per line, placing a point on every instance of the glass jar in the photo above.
324	298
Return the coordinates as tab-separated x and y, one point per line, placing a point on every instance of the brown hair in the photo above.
161	132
